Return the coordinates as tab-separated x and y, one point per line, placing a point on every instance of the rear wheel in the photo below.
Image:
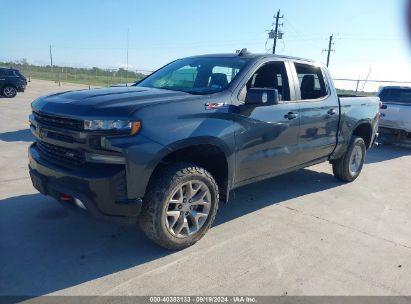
349	166
180	206
9	91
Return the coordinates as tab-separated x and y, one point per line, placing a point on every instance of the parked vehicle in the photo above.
166	151
11	82
396	111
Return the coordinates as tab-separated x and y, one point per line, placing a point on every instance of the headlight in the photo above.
119	125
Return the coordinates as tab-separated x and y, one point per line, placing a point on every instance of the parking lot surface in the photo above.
303	233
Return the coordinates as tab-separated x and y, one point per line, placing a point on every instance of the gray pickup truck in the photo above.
165	151
396	111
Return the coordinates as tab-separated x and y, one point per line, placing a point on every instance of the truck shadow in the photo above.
46	248
256	196
20	135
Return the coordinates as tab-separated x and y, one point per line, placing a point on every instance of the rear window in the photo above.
396	95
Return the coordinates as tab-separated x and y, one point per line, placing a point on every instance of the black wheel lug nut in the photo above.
190	201
187	213
179	206
185	200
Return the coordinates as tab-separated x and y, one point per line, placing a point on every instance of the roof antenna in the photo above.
243	52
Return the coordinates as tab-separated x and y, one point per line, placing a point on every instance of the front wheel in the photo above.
180	206
349	166
9	91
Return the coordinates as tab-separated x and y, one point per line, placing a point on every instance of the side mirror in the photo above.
262	96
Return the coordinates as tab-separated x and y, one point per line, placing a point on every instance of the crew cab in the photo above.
167	150
395	111
11	82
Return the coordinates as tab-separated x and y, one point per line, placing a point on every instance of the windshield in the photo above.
199	75
402	95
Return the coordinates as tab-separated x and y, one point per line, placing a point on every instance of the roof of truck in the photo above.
251	55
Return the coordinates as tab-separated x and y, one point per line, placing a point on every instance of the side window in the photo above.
396	95
311	80
7	73
272	75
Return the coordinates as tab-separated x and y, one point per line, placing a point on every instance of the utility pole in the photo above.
128	30
51	62
51	58
277	33
330	49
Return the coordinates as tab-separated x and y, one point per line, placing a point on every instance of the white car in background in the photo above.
395	111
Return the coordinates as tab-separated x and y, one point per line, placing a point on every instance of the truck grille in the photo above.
60	122
60	155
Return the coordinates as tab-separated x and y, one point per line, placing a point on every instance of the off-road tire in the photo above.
341	166
152	219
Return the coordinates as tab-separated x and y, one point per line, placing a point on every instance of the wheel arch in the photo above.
8	84
364	130
210	153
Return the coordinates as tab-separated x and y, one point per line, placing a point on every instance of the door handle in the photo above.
291	115
332	112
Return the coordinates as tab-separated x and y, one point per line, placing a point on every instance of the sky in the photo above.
370	36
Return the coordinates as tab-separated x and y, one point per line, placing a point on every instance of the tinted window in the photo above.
311	80
272	75
198	75
7	73
396	95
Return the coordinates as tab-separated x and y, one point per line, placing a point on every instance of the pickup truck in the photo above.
395	111
166	151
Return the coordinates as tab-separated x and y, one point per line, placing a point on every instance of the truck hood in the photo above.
107	102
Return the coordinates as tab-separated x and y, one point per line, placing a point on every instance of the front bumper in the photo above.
100	188
21	87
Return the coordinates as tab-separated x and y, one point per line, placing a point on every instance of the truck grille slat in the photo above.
61	155
61	122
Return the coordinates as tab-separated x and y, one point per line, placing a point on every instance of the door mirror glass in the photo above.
262	96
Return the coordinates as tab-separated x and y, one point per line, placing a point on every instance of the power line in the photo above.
368	80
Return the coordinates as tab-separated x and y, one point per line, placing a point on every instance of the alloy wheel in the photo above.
188	209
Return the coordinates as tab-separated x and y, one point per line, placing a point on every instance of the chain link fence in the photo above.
89	76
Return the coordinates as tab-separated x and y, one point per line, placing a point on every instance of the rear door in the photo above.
267	138
396	108
319	112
